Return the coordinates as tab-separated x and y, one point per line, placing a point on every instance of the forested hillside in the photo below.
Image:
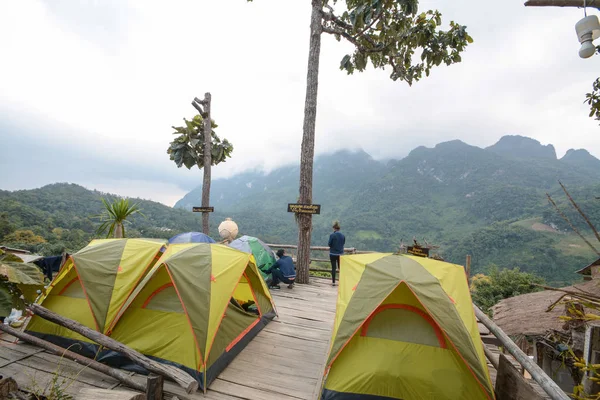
463	198
489	203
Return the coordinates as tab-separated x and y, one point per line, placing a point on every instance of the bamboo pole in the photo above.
546	383
562	3
183	379
84	361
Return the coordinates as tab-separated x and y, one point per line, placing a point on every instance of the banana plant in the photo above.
19	283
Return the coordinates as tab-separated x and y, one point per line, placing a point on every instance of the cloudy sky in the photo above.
90	88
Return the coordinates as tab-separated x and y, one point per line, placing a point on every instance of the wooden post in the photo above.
84	361
207	162
154	390
511	385
534	370
468	267
591	355
307	153
183	379
562	3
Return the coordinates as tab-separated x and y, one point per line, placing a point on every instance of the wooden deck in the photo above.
284	362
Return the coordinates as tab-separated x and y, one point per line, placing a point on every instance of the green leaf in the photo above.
345	61
6	301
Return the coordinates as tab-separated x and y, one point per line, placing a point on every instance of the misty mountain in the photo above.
461	198
447	194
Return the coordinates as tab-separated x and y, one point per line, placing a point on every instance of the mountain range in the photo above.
487	202
465	199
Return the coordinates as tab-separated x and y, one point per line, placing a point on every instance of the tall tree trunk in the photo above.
207	162
118	230
308	141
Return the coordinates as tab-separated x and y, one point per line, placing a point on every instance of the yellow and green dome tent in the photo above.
92	286
404	329
191	310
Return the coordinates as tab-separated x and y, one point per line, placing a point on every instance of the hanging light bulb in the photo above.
588	30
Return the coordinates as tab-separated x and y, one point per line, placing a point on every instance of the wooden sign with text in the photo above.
203	209
418	251
304	208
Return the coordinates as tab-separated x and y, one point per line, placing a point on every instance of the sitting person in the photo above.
282	271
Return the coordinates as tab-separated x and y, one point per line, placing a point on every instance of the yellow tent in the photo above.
196	309
404	329
92	287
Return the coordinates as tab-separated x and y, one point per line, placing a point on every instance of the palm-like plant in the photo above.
115	216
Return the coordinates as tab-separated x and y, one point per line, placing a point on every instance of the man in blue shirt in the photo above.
336	249
282	271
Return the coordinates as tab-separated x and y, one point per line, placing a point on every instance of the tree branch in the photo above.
199	101
349	38
561	3
570	224
199	108
580	211
370	25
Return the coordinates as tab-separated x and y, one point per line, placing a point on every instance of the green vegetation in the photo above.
487	290
188	147
19	282
462	198
114	217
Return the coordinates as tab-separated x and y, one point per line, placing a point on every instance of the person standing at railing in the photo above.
336	249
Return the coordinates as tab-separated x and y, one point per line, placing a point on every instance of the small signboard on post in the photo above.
304	208
203	209
418	251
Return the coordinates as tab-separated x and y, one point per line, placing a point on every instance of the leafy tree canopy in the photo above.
188	148
498	284
24	236
393	32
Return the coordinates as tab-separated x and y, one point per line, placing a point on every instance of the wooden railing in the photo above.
292	251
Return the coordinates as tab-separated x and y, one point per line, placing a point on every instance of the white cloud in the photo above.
111	77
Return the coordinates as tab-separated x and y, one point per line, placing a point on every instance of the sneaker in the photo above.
334	284
291	286
275	287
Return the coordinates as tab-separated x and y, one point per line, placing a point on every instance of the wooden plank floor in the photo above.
285	361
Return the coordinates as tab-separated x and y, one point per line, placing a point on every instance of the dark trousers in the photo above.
335	265
278	277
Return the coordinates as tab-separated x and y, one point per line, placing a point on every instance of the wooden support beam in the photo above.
347	250
511	385
562	3
549	386
84	361
184	380
154	390
95	394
